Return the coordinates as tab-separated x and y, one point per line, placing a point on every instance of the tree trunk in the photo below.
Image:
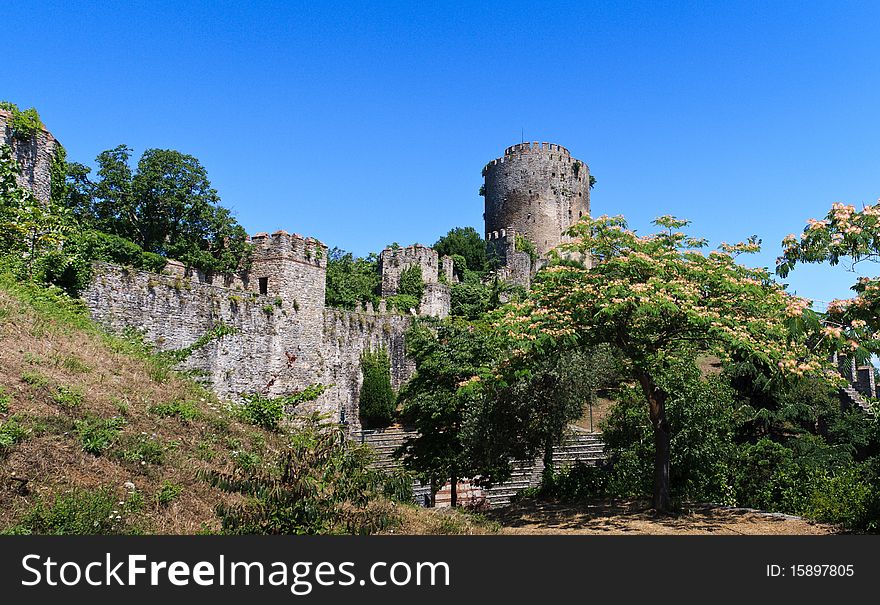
548	473
453	491
657	411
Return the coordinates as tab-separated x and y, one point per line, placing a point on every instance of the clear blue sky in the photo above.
363	124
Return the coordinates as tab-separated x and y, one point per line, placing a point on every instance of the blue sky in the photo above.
367	123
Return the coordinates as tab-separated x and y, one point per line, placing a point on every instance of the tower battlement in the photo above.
289	246
538	190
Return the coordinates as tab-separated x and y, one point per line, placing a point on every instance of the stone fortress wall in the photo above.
437	276
34	154
284	337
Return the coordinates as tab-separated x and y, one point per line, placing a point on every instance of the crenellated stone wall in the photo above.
514	266
280	344
539	190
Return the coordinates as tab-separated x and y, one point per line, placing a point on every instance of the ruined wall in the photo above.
393	262
437	297
34	154
280	345
436	300
348	334
513	266
539	190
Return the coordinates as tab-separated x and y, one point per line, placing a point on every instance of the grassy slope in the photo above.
57	370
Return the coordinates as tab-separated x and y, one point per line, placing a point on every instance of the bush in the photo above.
377	407
411	283
403	303
142	449
577	482
71	267
11	432
69	398
269	412
168	492
321	483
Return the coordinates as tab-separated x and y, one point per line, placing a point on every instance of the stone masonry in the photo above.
34	154
436	299
538	190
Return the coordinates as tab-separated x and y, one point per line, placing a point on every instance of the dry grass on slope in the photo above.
66	388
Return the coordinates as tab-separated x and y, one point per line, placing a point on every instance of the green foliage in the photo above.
403	303
4	402
524	244
97	434
470	300
350	280
321	483
179	408
166	207
71	269
30	230
411	283
70	398
269	412
25	123
466	243
141	449
83	512
450	356
11	432
574	483
701	415
216	333
377	405
168	493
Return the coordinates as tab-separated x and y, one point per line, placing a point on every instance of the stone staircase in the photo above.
580	446
853	398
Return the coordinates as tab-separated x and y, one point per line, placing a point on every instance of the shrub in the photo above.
268	412
411	283
377	406
701	415
321	483
577	482
142	449
403	303
68	397
11	432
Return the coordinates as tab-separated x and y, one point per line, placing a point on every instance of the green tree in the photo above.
466	242
845	234
351	280
376	402
167	207
449	356
660	301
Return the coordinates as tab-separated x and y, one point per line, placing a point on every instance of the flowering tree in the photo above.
660	300
844	233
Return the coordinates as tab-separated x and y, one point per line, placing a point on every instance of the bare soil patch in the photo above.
636	518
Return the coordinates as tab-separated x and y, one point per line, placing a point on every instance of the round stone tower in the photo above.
538	190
